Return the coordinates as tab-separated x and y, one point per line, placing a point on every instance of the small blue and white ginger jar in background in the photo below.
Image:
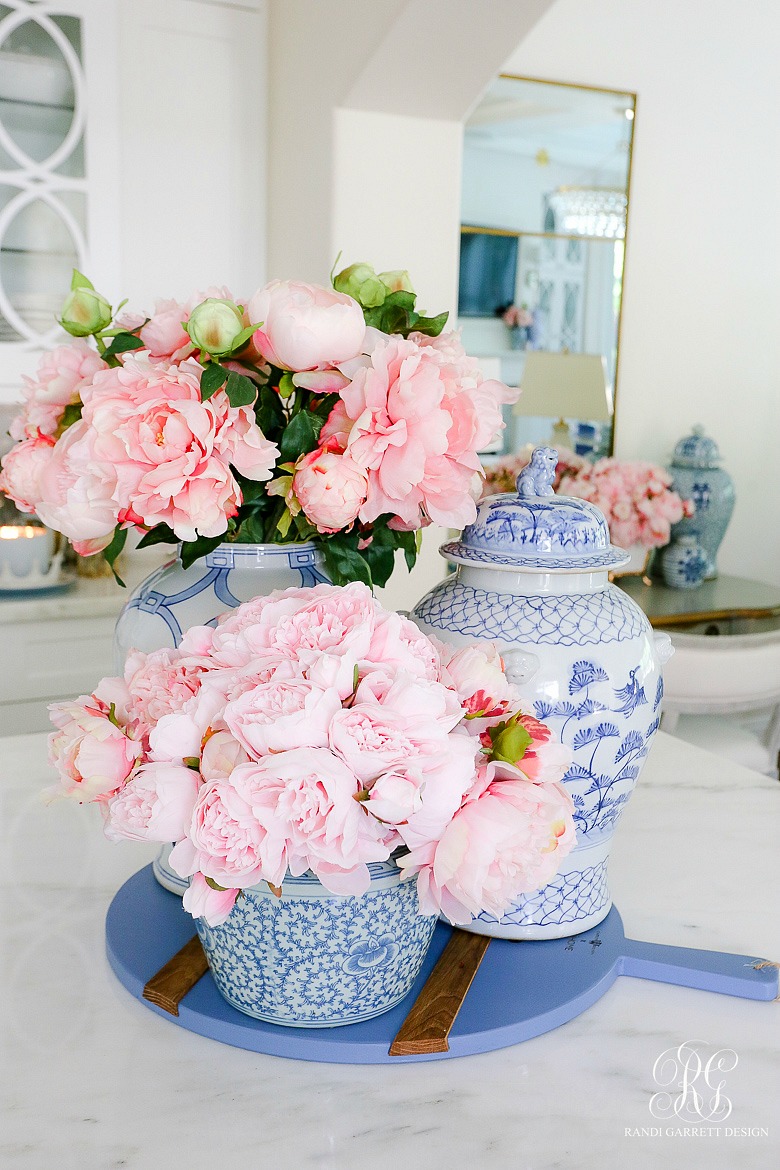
312	959
684	563
697	475
533	576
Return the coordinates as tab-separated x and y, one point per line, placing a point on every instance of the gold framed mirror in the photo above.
545	200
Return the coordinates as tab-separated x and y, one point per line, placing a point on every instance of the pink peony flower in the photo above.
161	682
92	754
61	374
476	672
279	715
156	805
167	451
507	839
329	832
335	432
236	836
305	327
416	430
204	901
398	644
221	754
163	334
331	489
23	467
76	494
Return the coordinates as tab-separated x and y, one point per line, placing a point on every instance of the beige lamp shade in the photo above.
565	385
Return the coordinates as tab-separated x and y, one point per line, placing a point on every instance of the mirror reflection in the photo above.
545	188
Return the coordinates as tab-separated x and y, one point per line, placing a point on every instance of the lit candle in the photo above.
25	551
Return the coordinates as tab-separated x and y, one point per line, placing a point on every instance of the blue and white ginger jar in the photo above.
312	959
533	576
684	563
697	475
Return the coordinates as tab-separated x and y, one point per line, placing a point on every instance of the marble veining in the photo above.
93	1081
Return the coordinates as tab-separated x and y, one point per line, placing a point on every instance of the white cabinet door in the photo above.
58	177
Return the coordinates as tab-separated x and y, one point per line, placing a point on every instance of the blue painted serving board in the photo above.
521	989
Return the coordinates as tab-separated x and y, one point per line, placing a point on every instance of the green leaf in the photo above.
160	534
343	562
244	337
214	375
79	280
300	436
191	762
252	530
431	326
268	412
70	415
241	391
191	550
402	299
215	885
408	542
114	549
122	343
381	561
286	386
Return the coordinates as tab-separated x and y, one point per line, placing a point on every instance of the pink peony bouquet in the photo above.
339	415
314	730
635	497
517	317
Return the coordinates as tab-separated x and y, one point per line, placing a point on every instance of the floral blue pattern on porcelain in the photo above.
312	959
684	563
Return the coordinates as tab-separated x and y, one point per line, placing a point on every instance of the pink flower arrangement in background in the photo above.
635	497
313	730
517	317
360	418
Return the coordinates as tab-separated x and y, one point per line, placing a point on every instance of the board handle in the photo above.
743	975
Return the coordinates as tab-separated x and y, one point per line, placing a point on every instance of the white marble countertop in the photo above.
85	598
92	1080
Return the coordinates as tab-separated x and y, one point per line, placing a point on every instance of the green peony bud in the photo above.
360	282
509	741
397	281
85	311
215	326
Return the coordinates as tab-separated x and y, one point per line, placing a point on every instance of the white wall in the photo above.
192	141
700	338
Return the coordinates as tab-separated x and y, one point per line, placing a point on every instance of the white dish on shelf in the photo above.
27	77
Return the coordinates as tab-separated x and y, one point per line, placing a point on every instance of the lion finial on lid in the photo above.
536	479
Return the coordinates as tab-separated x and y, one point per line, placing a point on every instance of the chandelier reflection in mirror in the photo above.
587	211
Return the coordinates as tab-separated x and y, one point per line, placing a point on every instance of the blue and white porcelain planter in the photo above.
173	598
533	576
312	959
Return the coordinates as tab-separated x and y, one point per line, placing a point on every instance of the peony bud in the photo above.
85	311
215	326
360	282
397	281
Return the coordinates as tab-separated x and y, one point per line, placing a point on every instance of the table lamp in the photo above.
567	385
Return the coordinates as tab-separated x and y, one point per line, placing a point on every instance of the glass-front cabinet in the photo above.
46	188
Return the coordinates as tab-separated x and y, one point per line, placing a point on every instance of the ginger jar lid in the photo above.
534	530
696	450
